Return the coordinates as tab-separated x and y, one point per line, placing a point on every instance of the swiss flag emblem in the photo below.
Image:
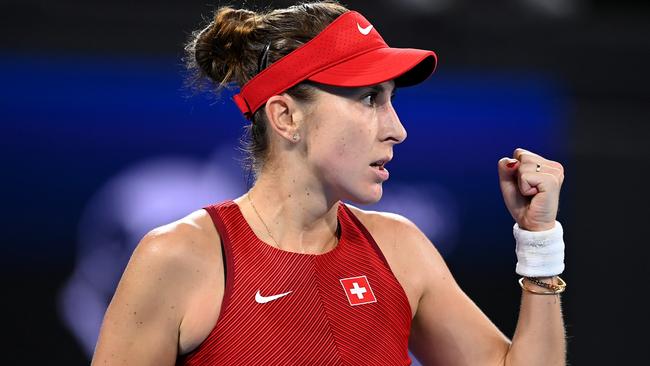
357	290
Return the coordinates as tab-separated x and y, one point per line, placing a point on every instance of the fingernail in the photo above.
510	165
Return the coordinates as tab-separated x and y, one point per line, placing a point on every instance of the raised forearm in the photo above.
539	338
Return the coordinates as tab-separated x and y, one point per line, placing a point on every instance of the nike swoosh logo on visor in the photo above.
365	31
264	299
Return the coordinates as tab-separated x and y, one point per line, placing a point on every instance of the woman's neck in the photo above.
297	213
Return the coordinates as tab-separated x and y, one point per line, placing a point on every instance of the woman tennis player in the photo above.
288	274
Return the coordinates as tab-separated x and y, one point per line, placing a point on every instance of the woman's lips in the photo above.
381	172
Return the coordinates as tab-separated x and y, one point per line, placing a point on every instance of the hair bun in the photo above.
229	50
220	48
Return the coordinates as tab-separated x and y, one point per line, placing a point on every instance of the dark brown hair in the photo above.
227	52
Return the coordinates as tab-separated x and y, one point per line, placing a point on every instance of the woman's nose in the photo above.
394	130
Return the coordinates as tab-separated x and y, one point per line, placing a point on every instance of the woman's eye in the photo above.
370	99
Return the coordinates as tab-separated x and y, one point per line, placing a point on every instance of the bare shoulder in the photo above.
182	239
394	230
186	257
170	268
178	246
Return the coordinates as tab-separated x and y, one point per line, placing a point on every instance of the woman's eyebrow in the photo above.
380	88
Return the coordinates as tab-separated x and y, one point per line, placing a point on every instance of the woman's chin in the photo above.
367	197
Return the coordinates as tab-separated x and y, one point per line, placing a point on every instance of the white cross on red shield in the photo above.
358	290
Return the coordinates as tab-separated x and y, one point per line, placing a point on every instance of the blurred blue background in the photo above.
101	143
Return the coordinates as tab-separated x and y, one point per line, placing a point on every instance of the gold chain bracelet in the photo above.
554	289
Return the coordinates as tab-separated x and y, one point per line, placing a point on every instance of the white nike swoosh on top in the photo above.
365	31
264	299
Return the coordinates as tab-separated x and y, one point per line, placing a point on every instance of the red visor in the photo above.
349	53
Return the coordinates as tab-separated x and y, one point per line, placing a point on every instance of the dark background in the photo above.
59	146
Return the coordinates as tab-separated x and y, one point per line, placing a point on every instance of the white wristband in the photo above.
539	253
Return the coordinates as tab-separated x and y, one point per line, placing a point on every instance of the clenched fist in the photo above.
531	185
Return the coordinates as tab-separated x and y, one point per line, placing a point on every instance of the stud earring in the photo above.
296	136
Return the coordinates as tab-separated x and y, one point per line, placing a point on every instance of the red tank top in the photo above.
343	307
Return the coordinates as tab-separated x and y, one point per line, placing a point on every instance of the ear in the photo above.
284	114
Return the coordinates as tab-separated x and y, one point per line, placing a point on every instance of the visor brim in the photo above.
407	66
